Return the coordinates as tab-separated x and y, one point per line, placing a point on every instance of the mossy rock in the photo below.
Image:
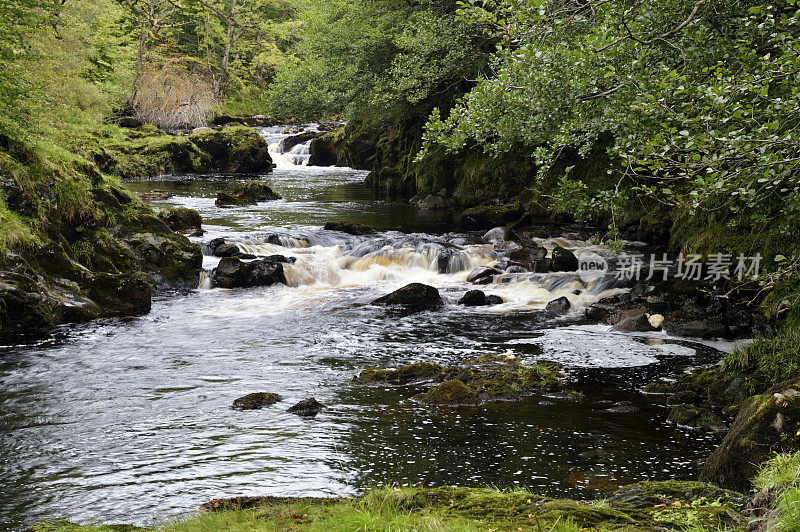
453	392
122	294
351	228
255	401
181	219
766	423
646	495
234	150
418	372
490	216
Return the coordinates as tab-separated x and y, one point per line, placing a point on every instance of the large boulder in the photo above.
234	150
415	296
564	260
232	272
290	142
766	423
181	219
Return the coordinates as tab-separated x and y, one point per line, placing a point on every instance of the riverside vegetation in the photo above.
671	121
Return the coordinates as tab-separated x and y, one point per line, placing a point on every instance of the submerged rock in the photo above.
232	272
415	296
306	408
434	202
623	407
351	228
255	401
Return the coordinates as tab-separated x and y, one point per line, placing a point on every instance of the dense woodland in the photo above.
674	121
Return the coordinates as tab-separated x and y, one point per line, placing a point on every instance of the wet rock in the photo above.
638	323
249	193
351	228
255	401
155	195
415	296
766	423
227	249
482	275
623	407
564	260
498	234
695	417
451	393
695	325
418	372
558	306
307	408
181	219
664	494
170	259
684	397
232	272
290	142
488	216
528	257
659	388
434	202
476	298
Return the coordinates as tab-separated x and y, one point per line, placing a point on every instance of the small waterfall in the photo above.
297	155
205	280
328	260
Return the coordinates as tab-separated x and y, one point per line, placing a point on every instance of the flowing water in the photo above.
130	420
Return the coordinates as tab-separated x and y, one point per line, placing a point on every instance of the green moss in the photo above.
452	392
417	372
254	401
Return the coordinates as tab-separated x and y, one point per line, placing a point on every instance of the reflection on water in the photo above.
129	420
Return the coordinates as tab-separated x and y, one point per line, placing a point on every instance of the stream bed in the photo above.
129	420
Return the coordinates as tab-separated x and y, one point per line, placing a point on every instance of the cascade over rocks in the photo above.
232	272
415	296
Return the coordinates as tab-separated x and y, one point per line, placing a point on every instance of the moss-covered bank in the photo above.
642	507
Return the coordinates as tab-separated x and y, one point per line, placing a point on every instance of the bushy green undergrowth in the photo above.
782	476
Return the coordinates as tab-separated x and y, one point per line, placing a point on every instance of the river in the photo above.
129	420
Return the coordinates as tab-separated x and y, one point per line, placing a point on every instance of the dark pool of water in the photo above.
130	420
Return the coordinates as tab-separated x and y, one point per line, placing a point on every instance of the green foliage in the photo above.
701	99
375	57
